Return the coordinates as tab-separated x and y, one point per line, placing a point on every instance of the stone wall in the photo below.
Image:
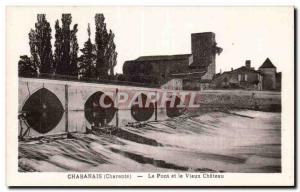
239	99
159	71
269	78
173	84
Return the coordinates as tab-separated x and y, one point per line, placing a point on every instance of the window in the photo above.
246	77
259	77
239	77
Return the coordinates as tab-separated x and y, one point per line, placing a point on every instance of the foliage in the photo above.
26	67
111	52
96	62
106	56
66	47
58	48
73	52
87	67
40	45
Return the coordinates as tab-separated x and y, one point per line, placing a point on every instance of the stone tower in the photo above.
269	75
204	52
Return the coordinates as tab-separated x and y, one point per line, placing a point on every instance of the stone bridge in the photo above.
49	107
55	106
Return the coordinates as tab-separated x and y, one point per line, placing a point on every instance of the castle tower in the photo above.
204	52
269	75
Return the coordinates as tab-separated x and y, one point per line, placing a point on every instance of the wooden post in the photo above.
117	107
155	109
66	108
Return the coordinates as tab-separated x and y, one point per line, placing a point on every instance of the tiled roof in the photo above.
243	69
163	57
267	64
189	73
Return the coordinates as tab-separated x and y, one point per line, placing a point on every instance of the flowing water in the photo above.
240	141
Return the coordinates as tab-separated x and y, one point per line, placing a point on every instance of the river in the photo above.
242	141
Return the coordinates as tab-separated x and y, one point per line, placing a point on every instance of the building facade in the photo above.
246	77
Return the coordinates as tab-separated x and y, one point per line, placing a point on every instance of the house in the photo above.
245	77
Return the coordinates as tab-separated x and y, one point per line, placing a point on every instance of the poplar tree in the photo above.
74	52
58	48
66	47
40	45
35	59
87	67
101	38
111	53
106	55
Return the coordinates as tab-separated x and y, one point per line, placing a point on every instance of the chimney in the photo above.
248	64
231	69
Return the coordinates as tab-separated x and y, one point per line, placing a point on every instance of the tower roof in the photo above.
267	64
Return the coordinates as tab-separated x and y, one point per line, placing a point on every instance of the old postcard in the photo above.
150	96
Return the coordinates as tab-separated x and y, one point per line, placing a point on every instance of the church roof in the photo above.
267	64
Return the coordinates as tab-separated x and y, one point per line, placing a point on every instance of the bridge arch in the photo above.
42	111
95	113
142	113
173	109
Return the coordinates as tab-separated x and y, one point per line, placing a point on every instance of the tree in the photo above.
66	47
73	52
62	67
106	55
58	49
111	53
87	59
40	45
26	67
35	59
101	39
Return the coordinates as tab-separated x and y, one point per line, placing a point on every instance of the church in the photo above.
183	71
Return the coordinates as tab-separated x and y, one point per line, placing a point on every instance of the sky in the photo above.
244	33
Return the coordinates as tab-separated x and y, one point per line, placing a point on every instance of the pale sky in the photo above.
253	33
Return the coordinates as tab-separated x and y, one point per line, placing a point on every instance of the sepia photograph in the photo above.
132	94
